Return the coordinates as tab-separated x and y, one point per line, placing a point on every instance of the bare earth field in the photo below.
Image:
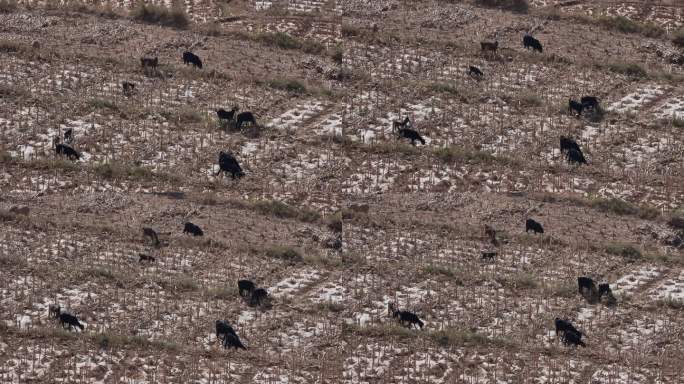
325	80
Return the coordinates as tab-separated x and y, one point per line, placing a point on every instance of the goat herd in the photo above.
259	296
255	296
568	146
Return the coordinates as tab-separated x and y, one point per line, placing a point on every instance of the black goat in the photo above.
147	62
405	317
245	287
66	319
245	117
489	46
604	289
258	297
532	225
586	284
152	234
531	42
590	102
563	326
232	340
491	234
144	257
573	105
576	156
191	58
567	144
408	133
488	255
226	115
128	88
68	135
229	164
223	328
573	338
401	124
192	229
65	150
475	72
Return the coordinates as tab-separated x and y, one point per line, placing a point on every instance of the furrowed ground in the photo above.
325	80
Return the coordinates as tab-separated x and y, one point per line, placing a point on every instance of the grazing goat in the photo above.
65	150
590	102
488	255
604	289
66	319
531	42
532	225
245	287
408	133
152	234
573	338
259	295
226	115
401	124
191	58
147	62
567	144
229	164
491	234
223	328
573	105
563	326
128	88
405	317
576	156
144	257
475	72
586	284
245	117
489	46
54	310
192	229
68	135
232	340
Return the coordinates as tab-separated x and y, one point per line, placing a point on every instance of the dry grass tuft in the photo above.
283	40
284	211
627	251
174	17
678	37
626	25
629	69
520	6
8	6
285	253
